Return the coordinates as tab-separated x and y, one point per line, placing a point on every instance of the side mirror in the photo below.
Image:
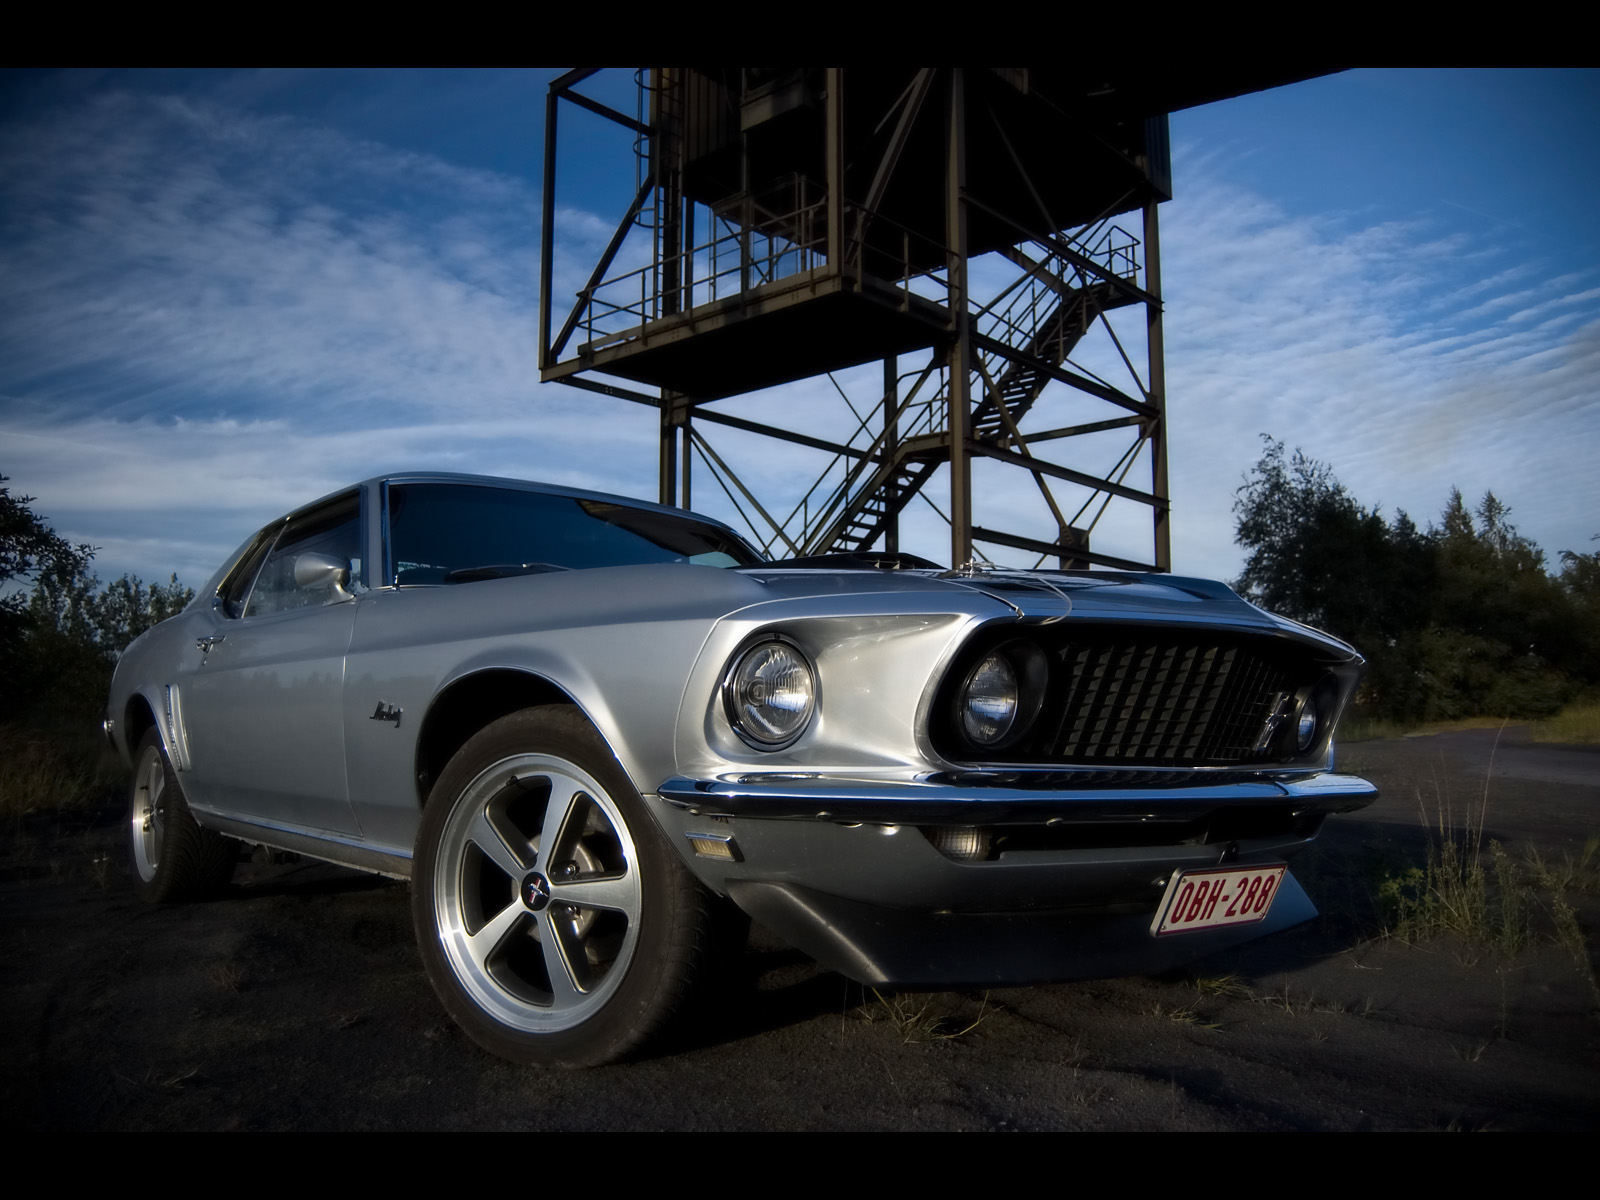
314	569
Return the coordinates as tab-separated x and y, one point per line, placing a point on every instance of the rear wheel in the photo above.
555	924
173	857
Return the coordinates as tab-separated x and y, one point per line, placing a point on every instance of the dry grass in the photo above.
1581	874
1476	893
51	772
916	1019
1284	998
1560	884
1483	896
1458	890
1178	1014
1224	985
1575	725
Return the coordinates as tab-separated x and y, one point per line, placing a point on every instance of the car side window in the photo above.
235	590
333	534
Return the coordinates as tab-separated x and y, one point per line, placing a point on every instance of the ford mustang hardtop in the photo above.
588	728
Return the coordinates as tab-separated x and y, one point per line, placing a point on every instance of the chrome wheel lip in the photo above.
145	816
469	953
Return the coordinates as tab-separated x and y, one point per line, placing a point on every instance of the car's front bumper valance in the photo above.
895	948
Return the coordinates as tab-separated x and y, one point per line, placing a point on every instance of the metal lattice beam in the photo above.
799	221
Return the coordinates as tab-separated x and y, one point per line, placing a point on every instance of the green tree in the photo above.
126	607
1580	574
1460	620
61	636
29	549
1510	623
1580	579
27	544
1315	554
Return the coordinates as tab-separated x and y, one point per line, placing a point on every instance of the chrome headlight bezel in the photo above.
1314	718
1025	665
759	724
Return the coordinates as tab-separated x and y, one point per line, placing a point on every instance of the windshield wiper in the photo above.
501	571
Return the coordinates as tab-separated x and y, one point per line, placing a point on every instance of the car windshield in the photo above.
456	533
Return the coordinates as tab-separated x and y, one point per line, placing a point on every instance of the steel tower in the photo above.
989	236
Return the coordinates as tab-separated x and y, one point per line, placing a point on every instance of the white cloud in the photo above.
1378	351
165	256
207	318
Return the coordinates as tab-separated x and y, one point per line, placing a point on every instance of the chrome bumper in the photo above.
977	799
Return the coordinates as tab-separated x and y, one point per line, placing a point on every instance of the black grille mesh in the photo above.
1160	702
1128	697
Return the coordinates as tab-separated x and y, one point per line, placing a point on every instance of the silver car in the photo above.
586	728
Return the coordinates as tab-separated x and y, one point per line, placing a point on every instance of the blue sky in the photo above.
225	293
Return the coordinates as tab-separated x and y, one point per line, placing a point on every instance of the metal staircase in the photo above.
1044	320
1022	380
888	491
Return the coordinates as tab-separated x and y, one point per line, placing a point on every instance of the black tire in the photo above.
571	957
173	857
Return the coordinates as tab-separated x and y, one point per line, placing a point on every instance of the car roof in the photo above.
500	481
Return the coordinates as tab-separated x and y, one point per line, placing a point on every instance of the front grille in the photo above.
1160	702
1124	696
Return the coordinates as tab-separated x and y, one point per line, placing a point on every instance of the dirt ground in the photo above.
298	1002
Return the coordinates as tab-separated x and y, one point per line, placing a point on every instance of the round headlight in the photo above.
770	695
989	701
1315	715
1306	731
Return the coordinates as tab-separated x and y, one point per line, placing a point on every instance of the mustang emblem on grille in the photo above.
1282	703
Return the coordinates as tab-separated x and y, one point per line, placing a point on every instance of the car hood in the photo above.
1039	597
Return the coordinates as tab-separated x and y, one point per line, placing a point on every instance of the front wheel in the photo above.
554	923
173	857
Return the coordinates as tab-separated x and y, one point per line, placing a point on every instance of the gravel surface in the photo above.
298	1002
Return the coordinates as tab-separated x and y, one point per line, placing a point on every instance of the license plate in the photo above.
1211	899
